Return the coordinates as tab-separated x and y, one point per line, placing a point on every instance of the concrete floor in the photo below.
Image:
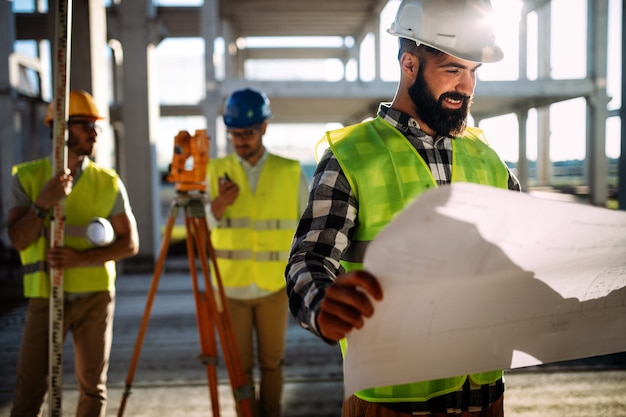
169	381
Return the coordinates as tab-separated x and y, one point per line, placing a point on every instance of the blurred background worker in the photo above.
373	170
89	271
257	199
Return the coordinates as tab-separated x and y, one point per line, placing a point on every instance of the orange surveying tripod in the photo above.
211	308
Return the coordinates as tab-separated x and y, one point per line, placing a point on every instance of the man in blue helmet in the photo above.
256	200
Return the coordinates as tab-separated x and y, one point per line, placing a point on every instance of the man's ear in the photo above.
409	65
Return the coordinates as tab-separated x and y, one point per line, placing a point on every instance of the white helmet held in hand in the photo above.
461	28
100	232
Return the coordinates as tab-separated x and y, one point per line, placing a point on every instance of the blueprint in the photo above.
476	279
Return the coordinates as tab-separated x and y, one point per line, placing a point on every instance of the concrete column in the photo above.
523	46
354	54
544	162
377	47
522	159
139	113
597	44
543	167
621	180
88	70
522	115
9	154
230	50
212	101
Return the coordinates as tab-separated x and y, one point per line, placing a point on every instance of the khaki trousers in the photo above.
90	319
267	317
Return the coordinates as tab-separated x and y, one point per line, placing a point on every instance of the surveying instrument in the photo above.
211	308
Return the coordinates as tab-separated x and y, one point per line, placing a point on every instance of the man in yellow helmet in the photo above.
257	198
90	192
372	170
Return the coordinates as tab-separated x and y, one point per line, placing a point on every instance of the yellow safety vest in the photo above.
253	238
93	195
386	173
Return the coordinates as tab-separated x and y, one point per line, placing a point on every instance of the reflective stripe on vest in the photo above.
268	224
95	183
248	254
253	238
42	266
386	173
68	230
39	266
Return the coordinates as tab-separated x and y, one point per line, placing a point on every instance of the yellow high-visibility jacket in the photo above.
386	173
253	238
93	195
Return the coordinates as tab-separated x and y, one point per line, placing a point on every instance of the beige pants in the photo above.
267	317
90	319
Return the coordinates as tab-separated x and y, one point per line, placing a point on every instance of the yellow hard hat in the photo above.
81	104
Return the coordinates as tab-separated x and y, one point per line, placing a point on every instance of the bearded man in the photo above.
374	169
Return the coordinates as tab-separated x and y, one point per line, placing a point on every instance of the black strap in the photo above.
465	402
486	397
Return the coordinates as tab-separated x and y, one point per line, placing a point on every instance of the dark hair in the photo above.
410	46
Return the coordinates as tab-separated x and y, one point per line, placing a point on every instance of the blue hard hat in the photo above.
246	107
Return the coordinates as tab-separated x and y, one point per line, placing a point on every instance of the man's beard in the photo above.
444	122
73	144
249	151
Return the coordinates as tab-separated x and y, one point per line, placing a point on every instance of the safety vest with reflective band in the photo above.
93	195
386	173
254	236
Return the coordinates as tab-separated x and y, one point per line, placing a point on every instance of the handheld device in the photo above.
224	179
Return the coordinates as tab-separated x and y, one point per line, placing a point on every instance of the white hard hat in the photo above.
100	232
461	28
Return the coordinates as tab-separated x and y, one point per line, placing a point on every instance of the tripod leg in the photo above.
146	315
205	324
242	392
